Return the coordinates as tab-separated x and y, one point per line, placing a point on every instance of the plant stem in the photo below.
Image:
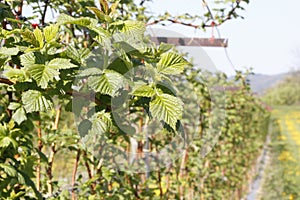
74	173
20	7
89	171
44	12
182	172
52	153
40	146
6	81
49	168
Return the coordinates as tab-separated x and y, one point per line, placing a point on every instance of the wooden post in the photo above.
186	41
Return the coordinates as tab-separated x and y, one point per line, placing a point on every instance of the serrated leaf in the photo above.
42	74
16	74
31	58
84	127
19	116
34	63
113	8
29	36
6	141
101	122
144	91
171	63
164	47
9	170
100	14
82	21
3	60
90	72
103	36
9	51
107	83
78	55
27	59
50	33
104	6
39	37
13	105
60	63
132	28
34	100
167	108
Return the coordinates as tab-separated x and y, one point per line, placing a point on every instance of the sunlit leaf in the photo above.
107	83
34	100
167	108
171	63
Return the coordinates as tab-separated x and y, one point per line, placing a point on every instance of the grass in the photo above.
282	177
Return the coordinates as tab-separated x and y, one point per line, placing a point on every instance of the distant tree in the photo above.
287	92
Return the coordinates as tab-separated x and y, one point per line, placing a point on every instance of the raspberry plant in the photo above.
62	136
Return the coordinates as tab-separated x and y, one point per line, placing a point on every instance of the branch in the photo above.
6	81
204	25
175	21
74	174
40	146
44	12
52	153
20	8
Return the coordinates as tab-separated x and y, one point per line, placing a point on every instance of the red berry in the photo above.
34	25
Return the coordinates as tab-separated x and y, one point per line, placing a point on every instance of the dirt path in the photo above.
262	163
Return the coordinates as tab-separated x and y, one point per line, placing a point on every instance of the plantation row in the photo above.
92	109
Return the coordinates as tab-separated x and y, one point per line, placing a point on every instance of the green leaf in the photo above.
6	141
77	55
35	65
50	32
9	51
84	127
16	74
9	170
34	100
19	116
29	36
101	122
144	91
171	64
113	8
107	83
167	108
104	6
39	37
82	21
27	59
164	47
90	72
3	60
60	63
100	14
132	28
42	74
14	106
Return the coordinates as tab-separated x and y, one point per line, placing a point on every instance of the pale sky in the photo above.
265	40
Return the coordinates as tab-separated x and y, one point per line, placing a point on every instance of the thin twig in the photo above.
182	172
89	171
44	12
20	8
6	81
74	174
52	153
40	146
